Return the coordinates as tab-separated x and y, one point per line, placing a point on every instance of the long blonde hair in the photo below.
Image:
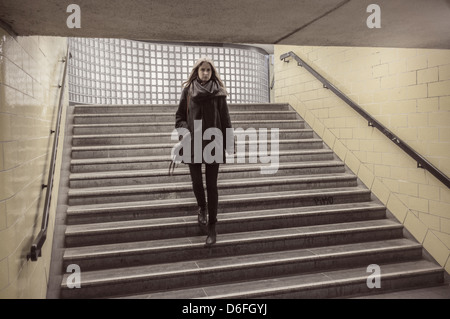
194	73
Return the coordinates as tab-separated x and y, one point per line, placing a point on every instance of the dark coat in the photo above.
213	112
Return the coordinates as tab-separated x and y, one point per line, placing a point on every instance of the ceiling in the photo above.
404	23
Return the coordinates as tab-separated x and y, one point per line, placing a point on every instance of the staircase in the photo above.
308	231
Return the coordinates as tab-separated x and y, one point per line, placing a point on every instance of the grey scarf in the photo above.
210	89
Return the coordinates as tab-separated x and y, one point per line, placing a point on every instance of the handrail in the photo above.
36	247
421	161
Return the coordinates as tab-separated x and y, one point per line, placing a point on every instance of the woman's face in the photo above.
204	72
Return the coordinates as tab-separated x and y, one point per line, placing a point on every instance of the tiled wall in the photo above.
29	93
408	90
121	71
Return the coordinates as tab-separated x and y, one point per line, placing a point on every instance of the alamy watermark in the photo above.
74	19
374	279
257	146
74	279
373	20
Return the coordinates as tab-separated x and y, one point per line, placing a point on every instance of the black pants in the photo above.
211	173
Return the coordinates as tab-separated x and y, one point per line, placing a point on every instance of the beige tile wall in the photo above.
29	75
408	90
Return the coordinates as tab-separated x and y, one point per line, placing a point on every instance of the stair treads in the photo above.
181	244
168	120
89	161
99	125
171	145
158	134
253	261
232	183
188	280
184	170
115	108
236	123
165	114
144	126
152	223
159	113
222	199
286	285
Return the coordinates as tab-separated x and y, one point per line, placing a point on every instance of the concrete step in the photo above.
241	147
342	283
165	138
117	158
133	193
235	244
196	273
148	126
171	108
120	157
83	214
233	222
164	130
106	118
432	291
181	174
123	138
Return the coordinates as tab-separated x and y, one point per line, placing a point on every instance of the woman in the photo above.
203	100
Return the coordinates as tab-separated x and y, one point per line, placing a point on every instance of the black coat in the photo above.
213	112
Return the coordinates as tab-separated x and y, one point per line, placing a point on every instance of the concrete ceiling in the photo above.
404	23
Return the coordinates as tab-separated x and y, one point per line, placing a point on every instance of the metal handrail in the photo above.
39	241
421	161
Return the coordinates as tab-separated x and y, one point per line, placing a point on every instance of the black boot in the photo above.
212	234
201	216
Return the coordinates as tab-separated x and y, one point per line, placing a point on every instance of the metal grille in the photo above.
120	71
